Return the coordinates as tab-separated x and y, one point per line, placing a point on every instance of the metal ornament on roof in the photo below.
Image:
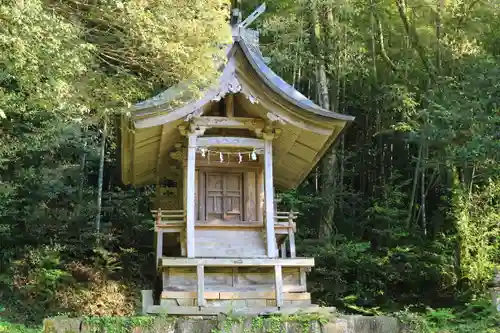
231	83
251	36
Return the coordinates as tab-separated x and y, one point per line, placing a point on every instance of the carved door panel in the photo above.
214	196
233	197
224	196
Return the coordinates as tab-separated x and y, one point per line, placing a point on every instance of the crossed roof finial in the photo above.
236	15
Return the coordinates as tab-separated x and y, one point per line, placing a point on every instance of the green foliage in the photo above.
271	324
8	327
407	212
478	316
64	66
117	324
477	215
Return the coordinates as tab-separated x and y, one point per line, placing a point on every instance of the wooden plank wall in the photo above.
221	279
230	243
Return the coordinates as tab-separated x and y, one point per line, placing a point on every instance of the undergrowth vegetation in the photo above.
478	316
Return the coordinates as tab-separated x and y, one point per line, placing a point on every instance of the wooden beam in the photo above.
235	295
190	195
278	276
200	276
247	311
269	196
227	141
236	262
229	103
283	249
247	295
225	122
176	226
235	279
188	294
204	162
294	288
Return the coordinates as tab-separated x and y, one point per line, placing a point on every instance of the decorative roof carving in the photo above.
231	84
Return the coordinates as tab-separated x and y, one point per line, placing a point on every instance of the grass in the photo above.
8	327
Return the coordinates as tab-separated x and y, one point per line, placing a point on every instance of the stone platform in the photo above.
223	324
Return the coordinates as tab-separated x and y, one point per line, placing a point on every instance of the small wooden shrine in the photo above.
216	161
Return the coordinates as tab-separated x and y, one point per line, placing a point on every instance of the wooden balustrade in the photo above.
168	218
167	221
287	220
172	218
175	221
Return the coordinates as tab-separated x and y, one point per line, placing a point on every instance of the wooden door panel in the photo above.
232	197
224	196
232	182
214	196
214	207
214	182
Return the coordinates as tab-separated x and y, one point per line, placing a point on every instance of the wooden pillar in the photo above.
302	279
159	246
182	241
283	249
229	101
159	238
269	195
261	202
278	276
291	235
200	276
190	195
291	240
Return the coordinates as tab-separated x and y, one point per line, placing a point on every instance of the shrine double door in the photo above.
228	196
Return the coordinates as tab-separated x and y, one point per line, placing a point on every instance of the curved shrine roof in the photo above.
149	128
252	52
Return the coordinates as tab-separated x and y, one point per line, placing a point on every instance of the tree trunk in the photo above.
100	181
414	39
414	188
423	191
83	159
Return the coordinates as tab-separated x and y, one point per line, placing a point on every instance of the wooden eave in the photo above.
150	130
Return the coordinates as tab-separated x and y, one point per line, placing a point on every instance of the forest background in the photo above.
403	214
